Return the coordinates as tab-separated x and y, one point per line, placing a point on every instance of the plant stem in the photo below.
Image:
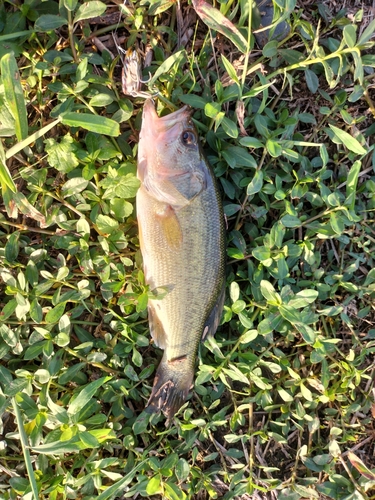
25	449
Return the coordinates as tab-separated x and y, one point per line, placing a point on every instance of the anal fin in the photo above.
213	319
156	327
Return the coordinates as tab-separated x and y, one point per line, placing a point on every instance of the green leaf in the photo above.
83	397
291	56
8	309
195	101
324	154
303	298
215	20
229	127
251	142
119	487
269	293
34	351
290	314
101	100
367	34
106	224
14	95
234	291
350	142
94	123
261	253
337	222
165	67
173	492
349	33
87	10
42	376
154	486
54	314
182	470
159	6
141	424
307	333
12	247
127	187
74	186
61	155
9	336
36	312
121	208
274	148
49	22
71	5
290	221
329	74
211	109
238	157
88	439
229	68
312	80
256	183
5	177
351	185
285	396
306	393
358	68
70	373
32	273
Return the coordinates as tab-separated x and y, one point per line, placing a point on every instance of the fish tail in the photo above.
172	383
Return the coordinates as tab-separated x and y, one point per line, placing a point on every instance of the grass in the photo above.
283	404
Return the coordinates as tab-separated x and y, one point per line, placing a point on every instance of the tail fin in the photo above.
172	383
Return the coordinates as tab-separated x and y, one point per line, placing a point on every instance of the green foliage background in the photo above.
284	393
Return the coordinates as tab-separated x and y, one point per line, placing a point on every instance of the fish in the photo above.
182	241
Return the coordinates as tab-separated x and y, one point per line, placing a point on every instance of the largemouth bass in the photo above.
181	228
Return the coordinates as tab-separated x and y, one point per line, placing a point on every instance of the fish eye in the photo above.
188	138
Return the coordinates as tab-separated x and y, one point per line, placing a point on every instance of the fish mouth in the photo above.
151	120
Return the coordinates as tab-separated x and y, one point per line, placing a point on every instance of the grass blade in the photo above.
5	177
350	142
29	140
93	123
351	184
215	20
25	449
14	94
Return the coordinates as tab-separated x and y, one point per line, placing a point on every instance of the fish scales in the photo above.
181	228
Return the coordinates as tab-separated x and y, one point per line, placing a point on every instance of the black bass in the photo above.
181	228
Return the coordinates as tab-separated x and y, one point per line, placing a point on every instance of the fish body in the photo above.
181	228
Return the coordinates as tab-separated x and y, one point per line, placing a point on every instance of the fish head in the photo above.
170	163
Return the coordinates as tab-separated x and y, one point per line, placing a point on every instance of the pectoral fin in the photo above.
170	227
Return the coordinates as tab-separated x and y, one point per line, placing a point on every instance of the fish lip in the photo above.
151	118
